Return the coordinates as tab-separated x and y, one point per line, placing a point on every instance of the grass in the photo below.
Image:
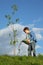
21	60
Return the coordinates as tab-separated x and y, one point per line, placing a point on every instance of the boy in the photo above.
30	40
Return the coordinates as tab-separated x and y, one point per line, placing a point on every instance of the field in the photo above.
21	60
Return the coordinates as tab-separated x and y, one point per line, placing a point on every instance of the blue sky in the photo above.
29	12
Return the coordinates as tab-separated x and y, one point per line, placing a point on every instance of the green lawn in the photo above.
21	60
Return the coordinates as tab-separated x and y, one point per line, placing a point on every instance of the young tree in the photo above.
9	18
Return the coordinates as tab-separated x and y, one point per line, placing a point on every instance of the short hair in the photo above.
26	28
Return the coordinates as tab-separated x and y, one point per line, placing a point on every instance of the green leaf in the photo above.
8	17
14	42
8	23
14	7
17	20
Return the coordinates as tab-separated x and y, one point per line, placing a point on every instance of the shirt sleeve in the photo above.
33	36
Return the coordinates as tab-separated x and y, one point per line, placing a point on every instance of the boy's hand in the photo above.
27	40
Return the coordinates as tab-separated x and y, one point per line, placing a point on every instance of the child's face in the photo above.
27	31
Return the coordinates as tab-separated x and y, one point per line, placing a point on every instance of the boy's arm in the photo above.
33	37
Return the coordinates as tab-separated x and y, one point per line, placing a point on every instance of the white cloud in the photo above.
37	20
37	47
23	49
6	48
39	36
38	31
12	52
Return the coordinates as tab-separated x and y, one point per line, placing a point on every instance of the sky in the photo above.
30	13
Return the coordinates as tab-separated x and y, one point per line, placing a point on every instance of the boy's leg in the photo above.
29	50
33	46
34	52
